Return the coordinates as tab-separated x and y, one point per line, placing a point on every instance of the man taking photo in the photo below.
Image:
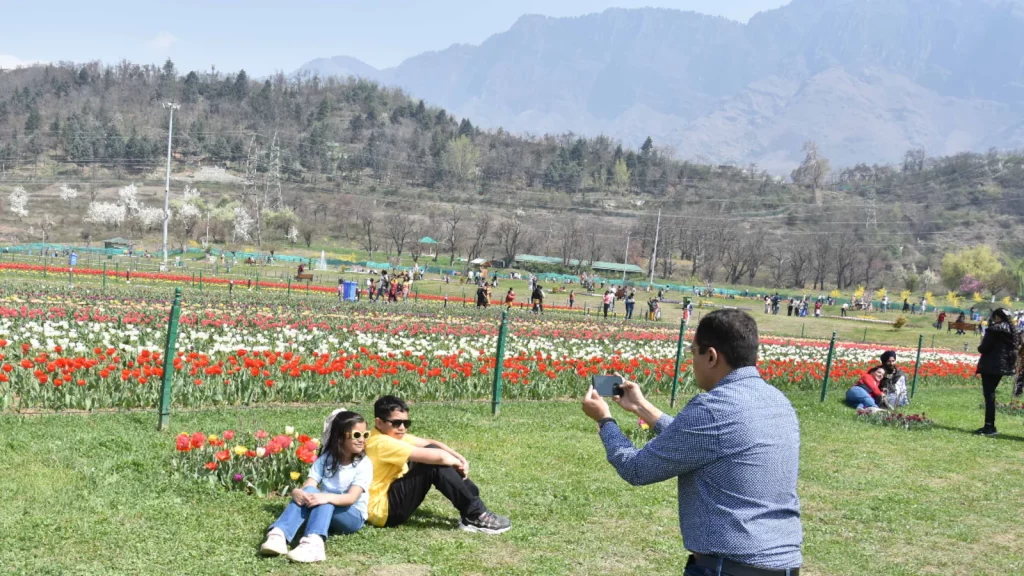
735	452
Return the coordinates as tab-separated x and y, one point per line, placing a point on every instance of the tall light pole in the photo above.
167	186
625	261
654	256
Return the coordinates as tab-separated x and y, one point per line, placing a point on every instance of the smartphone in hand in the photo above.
608	386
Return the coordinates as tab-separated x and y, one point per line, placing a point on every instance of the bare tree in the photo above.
872	258
778	259
843	255
595	248
509	235
478	241
742	257
366	221
757	253
398	228
667	250
307	231
823	259
453	232
569	235
799	265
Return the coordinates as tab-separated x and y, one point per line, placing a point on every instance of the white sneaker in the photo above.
310	549
275	545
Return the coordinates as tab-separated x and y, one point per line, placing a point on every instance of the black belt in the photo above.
730	568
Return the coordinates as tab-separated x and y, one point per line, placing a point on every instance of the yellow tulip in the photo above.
212	438
295	475
240	450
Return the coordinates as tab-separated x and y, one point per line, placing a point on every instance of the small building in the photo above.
429	245
119	243
617	268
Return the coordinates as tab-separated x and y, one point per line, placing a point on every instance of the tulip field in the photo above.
85	349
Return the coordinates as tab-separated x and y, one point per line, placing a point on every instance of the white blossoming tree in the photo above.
18	200
67	193
187	213
293	234
242	225
128	197
150	218
109	214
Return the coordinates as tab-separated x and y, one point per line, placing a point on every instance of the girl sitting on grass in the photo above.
866	393
333	499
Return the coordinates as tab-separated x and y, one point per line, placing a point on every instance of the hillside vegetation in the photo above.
303	160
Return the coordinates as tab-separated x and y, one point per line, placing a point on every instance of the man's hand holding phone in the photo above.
631	399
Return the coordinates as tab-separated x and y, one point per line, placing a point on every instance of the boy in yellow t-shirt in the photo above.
405	467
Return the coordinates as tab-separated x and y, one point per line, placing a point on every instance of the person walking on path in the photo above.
609	297
630	303
572	298
999	355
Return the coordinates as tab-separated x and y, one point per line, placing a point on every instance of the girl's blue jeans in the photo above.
319	520
858	397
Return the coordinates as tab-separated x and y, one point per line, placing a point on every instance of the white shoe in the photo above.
275	544
310	549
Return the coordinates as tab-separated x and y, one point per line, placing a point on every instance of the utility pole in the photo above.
625	260
654	256
167	186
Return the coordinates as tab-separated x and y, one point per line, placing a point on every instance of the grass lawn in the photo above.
91	495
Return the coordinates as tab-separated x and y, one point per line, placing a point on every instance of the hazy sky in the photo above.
264	36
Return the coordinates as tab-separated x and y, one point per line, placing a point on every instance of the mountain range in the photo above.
866	79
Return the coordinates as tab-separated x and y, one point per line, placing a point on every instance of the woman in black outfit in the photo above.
998	358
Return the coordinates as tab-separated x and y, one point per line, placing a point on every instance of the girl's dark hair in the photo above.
342	424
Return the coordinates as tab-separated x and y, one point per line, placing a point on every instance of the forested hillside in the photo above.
348	160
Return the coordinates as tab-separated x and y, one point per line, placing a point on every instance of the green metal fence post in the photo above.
104	276
828	367
200	280
499	364
168	372
802	328
116	271
679	361
45	263
289	286
917	364
865	339
933	340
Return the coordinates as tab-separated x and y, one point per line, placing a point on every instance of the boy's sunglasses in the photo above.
357	435
400	423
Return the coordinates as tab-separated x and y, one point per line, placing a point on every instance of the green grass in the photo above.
92	495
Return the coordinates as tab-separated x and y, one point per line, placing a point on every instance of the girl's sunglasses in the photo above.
357	435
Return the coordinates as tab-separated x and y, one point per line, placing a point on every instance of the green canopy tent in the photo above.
430	245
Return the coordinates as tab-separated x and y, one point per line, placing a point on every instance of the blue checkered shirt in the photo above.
736	454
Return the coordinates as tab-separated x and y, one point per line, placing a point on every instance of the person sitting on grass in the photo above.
405	467
334	498
894	382
866	393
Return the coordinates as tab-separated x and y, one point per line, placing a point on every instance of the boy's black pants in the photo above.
407	493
